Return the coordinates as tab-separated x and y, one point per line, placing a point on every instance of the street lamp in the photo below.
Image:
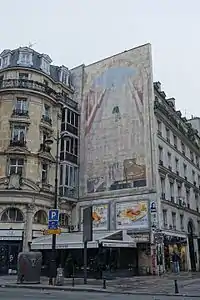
48	142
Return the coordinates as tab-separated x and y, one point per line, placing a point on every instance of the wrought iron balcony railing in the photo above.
39	87
20	112
18	143
27	84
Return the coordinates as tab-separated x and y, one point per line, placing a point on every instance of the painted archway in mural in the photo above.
191	231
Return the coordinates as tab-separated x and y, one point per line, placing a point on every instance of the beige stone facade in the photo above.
31	103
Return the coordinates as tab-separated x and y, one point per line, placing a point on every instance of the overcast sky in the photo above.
73	32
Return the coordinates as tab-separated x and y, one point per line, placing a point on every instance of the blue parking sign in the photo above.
53	225
53	215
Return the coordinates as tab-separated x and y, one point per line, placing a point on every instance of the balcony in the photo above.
27	84
68	192
65	156
20	113
68	127
46	119
67	101
18	143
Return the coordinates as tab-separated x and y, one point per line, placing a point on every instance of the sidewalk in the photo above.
188	283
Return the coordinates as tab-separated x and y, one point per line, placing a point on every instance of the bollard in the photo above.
73	281
176	287
104	283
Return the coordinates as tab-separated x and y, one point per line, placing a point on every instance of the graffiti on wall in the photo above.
115	92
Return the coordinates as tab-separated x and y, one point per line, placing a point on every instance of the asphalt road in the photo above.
22	294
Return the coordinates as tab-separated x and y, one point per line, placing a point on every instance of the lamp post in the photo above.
53	269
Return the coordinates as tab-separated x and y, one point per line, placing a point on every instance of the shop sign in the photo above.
119	245
141	237
154	220
158	238
153	208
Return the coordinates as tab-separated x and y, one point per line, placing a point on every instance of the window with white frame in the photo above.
65	78
21	105
165	221
159	127
169	158
162	184
5	58
177	164
72	118
171	188
44	173
70	145
16	166
167	134
46	67
160	154
174	220
64	75
19	133
25	57
46	110
68	176
45	63
182	221
5	62
179	190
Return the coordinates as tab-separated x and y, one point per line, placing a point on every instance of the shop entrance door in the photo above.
8	256
3	259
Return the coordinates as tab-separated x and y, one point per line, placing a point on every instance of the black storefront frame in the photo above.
9	250
108	259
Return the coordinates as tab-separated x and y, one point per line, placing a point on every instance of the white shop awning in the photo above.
75	240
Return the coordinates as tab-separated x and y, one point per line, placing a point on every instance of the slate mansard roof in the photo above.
36	59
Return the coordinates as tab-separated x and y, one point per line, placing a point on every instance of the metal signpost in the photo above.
53	224
87	235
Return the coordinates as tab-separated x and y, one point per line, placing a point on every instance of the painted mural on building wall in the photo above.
115	96
133	215
99	215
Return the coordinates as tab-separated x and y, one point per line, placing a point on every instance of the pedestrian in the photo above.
176	262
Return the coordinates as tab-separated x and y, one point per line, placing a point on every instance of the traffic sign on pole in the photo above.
53	219
53	225
51	231
53	215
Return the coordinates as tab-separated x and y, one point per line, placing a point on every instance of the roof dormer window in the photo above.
25	57
5	59
45	63
64	75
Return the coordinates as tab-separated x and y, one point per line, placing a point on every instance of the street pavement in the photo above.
188	284
26	294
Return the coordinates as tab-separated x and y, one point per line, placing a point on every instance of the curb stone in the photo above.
91	290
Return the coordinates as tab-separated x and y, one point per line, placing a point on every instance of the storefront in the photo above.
179	245
10	246
114	251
